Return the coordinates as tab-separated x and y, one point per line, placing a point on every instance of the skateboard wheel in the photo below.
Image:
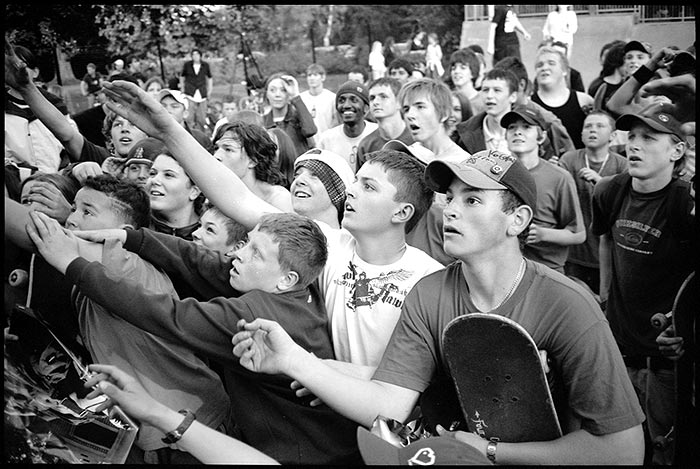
18	278
660	321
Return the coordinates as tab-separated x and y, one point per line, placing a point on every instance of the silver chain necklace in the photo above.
516	282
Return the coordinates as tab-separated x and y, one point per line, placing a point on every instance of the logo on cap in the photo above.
424	457
663	118
496	170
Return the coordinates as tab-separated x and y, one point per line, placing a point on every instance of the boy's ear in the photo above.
288	281
521	220
404	213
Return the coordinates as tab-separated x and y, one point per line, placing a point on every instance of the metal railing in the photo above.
643	13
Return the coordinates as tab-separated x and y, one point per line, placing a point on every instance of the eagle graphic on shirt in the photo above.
366	291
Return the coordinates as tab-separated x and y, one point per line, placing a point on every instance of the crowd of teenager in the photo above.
253	282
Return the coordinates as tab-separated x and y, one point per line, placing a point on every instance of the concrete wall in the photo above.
593	33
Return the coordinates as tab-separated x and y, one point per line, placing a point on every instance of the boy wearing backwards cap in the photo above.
352	104
491	197
557	221
646	231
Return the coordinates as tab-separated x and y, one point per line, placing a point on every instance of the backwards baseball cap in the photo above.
487	169
333	171
422	452
528	113
177	95
353	87
659	116
416	150
640	46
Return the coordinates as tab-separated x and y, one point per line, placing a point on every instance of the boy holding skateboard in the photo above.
490	201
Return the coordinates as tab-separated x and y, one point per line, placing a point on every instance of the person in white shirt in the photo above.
319	101
352	104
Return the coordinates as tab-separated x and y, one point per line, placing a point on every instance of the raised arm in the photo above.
17	77
223	188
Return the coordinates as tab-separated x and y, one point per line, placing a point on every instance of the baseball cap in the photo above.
487	169
353	87
333	171
417	150
145	151
636	45
423	452
177	95
528	113
659	116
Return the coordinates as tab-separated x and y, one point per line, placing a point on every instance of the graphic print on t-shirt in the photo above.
636	236
369	291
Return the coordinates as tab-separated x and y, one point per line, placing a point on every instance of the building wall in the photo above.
593	33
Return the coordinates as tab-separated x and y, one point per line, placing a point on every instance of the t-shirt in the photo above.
561	317
363	300
335	140
374	142
557	207
93	82
505	18
586	254
168	370
322	109
649	260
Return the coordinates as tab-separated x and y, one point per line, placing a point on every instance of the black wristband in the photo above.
643	74
175	435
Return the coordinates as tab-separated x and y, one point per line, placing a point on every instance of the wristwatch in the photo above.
175	435
491	451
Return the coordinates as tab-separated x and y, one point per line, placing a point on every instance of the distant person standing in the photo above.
376	61
503	40
133	68
389	51
91	84
433	57
196	81
318	100
560	26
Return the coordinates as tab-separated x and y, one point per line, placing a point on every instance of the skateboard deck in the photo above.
684	317
500	381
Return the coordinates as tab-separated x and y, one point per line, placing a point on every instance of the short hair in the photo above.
476	48
509	203
249	117
131	58
154	79
229	98
235	231
400	63
469	58
259	147
437	92
302	245
359	69
514	65
68	186
315	68
130	202
600	112
197	50
550	50
392	83
406	173
505	75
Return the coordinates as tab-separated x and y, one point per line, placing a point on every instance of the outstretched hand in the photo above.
100	236
264	347
123	389
137	106
58	246
16	74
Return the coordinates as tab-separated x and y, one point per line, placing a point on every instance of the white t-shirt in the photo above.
321	108
363	300
335	140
